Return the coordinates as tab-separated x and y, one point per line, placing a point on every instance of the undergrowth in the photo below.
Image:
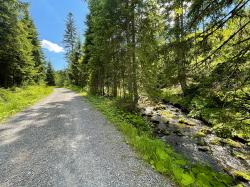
16	99
158	154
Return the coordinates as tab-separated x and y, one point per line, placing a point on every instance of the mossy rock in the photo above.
231	143
199	134
187	121
241	156
215	141
241	175
241	137
181	125
159	107
206	130
165	120
167	114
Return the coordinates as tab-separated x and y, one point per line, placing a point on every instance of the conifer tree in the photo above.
70	35
21	61
50	75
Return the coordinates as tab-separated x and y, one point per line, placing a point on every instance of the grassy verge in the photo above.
16	99
162	157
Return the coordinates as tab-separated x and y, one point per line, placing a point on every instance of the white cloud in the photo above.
53	47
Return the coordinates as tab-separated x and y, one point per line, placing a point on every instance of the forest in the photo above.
189	54
24	70
194	54
21	58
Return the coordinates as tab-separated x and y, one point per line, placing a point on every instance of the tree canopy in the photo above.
188	52
21	58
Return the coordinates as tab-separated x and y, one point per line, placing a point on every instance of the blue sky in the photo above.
49	17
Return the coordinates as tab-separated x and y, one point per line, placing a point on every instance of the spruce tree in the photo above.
21	61
50	75
70	35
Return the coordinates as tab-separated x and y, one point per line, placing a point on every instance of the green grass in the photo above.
158	154
14	100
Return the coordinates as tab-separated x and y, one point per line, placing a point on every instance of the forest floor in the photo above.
63	141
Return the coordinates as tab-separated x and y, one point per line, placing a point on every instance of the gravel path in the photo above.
63	141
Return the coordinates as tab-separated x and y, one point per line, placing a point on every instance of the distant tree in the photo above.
61	78
74	69
70	35
50	75
73	47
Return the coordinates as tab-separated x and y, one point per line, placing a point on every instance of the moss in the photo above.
239	185
187	121
241	155
232	143
199	134
167	114
165	120
215	141
205	130
242	175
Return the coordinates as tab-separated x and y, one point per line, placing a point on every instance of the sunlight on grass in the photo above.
16	99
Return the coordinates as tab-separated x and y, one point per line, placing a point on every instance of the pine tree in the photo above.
20	53
37	53
74	68
70	36
73	48
50	75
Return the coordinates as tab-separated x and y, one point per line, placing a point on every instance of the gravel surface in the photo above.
63	141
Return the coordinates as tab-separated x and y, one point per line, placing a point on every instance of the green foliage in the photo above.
174	96
157	153
200	134
222	130
216	141
194	54
70	36
21	59
232	143
76	73
61	78
15	99
50	75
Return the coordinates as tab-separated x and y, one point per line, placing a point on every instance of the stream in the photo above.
197	141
